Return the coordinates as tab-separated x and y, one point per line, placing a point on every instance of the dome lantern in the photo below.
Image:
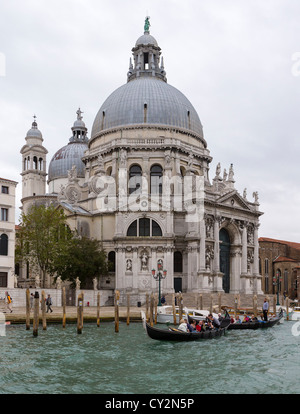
146	55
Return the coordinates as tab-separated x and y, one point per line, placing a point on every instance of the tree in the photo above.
42	238
83	258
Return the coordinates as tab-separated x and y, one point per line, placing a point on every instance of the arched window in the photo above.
135	179
35	163
286	280
111	261
156	173
177	262
266	266
3	245
144	227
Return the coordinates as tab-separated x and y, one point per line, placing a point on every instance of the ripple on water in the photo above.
102	361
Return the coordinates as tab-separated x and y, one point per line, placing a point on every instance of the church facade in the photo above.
141	185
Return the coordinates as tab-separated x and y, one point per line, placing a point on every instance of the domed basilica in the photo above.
140	184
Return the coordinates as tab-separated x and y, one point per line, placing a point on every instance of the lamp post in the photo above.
159	275
276	281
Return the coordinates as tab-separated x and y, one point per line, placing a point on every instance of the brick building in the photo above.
279	259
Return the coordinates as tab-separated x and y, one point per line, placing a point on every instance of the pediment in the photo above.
233	200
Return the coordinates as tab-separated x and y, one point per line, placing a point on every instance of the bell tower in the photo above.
33	163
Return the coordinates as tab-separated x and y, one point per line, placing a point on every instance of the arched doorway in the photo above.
225	259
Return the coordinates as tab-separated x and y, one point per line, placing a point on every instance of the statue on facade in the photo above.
129	265
123	157
144	260
255	195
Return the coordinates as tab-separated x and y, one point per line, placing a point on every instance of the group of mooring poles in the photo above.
36	311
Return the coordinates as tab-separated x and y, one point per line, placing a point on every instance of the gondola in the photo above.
256	324
173	334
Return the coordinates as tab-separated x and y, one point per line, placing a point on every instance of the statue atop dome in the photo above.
147	24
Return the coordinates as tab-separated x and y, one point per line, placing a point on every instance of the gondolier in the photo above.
265	309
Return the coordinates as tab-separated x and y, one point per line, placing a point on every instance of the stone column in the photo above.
244	248
217	245
202	246
120	268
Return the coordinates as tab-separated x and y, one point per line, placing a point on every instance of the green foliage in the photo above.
42	237
82	258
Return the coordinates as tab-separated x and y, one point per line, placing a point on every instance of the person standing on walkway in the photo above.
8	302
49	303
265	309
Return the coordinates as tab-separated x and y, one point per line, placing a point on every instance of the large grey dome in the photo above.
64	159
147	101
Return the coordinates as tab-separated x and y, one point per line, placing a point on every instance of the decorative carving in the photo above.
209	255
129	265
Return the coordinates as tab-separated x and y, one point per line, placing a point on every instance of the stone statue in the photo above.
147	24
129	265
72	174
245	193
225	175
37	281
231	173
144	260
77	281
95	283
218	170
58	283
123	157
255	195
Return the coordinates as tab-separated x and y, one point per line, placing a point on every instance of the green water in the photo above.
104	362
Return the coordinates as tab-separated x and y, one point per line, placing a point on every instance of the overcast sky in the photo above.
237	61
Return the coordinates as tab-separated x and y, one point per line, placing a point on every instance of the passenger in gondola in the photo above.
254	318
183	325
238	319
232	320
246	319
192	326
215	321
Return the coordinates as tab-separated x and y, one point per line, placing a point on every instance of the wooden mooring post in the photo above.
255	305
174	309
287	309
155	309
98	309
220	302
117	299
128	309
147	306
36	303
27	309
180	304
64	319
151	309
43	308
235	306
80	313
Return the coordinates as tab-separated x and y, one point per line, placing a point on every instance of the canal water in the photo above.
59	361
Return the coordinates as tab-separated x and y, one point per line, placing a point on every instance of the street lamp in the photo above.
276	281
159	275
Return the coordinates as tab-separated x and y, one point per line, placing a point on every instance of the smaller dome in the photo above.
34	132
64	159
146	39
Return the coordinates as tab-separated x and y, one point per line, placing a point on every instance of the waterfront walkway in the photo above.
107	313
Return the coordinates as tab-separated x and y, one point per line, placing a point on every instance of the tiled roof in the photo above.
284	259
287	243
